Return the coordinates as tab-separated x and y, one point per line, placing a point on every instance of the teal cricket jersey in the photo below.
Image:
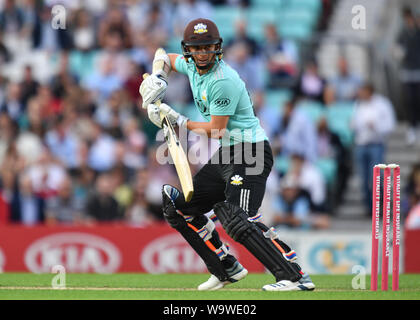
221	92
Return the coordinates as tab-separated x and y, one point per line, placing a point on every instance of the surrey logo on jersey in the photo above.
236	180
200	28
204	95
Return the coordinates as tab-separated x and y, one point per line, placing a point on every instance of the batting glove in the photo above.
174	117
152	89
154	114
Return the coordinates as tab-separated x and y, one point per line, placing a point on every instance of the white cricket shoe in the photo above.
304	284
213	283
282	285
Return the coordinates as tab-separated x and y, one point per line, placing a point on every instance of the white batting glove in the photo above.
152	89
154	114
166	67
174	117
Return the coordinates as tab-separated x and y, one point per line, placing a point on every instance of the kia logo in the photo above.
77	252
172	253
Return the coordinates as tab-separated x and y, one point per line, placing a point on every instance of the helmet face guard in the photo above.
202	32
189	55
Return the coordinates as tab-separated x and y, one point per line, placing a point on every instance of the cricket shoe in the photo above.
236	273
304	284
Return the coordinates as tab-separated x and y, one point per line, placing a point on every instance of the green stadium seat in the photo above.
174	45
273	4
314	110
257	18
277	98
328	168
282	164
301	16
225	17
314	5
338	118
294	31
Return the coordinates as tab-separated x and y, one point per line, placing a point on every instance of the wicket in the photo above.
386	224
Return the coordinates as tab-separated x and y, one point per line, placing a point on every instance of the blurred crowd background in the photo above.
77	148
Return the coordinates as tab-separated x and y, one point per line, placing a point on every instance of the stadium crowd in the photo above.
77	148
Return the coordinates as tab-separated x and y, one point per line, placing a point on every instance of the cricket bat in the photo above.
175	148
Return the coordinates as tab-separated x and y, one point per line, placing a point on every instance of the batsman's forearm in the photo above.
206	128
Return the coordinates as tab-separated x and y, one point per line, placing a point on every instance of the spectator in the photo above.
133	82
11	166
123	192
63	81
46	38
84	37
409	41
249	68
63	144
30	146
114	113
5	55
281	57
329	146
46	175
8	133
295	133
136	145
159	174
12	105
11	21
311	181
29	86
413	219
138	211
268	115
102	206
188	10
101	155
373	120
34	118
104	80
27	207
65	207
345	85
310	84
292	206
115	24
155	23
241	36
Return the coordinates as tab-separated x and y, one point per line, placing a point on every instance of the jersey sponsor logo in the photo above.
76	251
236	180
222	102
200	28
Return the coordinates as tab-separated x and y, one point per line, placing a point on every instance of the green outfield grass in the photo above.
127	286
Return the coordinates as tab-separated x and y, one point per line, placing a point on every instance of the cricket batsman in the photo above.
229	184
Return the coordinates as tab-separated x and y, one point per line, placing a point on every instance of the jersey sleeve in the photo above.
224	98
181	64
